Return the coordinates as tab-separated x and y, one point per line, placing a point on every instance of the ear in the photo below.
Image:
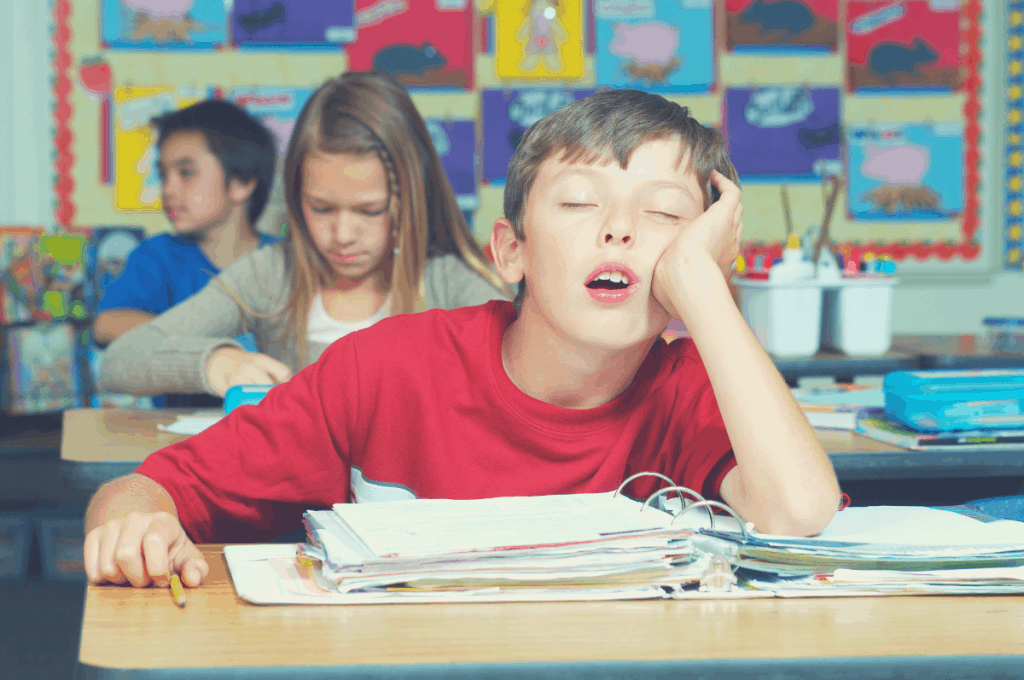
507	252
239	191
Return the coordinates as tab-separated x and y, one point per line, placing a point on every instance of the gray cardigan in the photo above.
170	352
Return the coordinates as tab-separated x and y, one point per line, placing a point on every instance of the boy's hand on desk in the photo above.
229	366
713	237
143	549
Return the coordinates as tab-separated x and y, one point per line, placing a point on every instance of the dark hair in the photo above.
607	126
242	145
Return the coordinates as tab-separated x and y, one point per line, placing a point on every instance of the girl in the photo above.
374	231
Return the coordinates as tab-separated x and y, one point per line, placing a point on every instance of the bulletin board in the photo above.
884	84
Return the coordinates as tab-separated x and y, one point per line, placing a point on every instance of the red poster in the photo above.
904	45
422	43
782	24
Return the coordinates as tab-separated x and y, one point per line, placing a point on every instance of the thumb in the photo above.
194	567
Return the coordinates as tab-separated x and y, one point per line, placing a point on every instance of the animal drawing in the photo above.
540	33
257	20
652	73
164	30
814	138
887	59
409	60
778	106
790	17
908	198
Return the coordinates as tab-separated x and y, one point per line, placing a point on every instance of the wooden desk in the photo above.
844	368
141	634
100	444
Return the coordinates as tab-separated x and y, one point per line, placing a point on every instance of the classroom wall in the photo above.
26	195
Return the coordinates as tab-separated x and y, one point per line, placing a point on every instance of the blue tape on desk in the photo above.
244	394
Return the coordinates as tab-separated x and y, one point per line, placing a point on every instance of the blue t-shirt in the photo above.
161	272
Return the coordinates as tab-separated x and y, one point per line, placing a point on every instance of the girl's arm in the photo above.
452	283
171	352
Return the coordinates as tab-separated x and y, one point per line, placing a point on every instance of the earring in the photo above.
395	251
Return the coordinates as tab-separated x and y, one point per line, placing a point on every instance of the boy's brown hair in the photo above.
609	126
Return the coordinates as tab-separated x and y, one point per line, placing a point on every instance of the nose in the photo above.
618	229
346	230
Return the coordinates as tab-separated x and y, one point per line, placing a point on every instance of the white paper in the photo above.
193	423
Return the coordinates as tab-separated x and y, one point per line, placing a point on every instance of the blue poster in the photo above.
164	24
656	45
455	143
278	108
906	172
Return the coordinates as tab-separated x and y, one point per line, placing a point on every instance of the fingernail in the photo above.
194	576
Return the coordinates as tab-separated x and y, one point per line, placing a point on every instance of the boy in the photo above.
609	231
216	168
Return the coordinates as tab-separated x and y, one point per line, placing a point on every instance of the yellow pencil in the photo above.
178	591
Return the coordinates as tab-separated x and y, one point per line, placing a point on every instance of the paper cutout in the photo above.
912	44
295	23
424	43
62	258
136	181
538	39
163	24
278	108
661	45
507	114
783	132
909	172
781	25
455	142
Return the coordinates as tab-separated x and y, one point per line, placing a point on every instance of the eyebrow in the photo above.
188	160
328	201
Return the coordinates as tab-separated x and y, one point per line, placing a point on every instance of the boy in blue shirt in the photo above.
216	169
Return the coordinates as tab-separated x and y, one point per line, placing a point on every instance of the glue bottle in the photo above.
794	266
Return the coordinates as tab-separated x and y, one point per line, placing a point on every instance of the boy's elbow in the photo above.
803	516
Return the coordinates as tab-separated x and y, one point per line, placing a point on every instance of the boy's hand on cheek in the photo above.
229	366
713	238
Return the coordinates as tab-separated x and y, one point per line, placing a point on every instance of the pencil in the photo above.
178	591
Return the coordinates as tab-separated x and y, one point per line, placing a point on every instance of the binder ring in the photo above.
723	506
679	490
670	481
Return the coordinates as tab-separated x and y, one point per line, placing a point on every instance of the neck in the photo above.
357	299
545	364
231	239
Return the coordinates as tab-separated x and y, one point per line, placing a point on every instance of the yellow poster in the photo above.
538	39
136	181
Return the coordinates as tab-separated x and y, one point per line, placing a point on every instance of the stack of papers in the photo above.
837	406
882	550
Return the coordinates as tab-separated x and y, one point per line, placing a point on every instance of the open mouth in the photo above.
612	280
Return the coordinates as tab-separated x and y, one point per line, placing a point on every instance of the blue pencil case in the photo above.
244	394
956	400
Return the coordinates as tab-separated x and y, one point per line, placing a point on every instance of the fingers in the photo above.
194	568
730	192
91	555
106	561
276	370
128	551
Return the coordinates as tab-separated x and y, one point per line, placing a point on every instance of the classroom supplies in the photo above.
605	546
236	395
873	423
857	315
956	399
1004	335
178	592
837	406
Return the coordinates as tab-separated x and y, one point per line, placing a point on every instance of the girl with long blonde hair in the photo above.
374	230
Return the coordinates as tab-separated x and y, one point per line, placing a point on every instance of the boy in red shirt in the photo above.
611	228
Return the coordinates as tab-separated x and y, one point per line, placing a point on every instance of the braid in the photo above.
394	188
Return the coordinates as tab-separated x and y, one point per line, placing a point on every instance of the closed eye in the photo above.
664	214
577	205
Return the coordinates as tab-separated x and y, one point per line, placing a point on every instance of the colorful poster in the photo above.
105	256
62	257
538	39
425	43
164	24
656	45
276	107
507	114
21	274
909	172
782	25
914	44
43	370
136	180
293	23
784	132
455	142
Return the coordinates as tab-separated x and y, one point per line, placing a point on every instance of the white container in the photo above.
785	317
857	316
